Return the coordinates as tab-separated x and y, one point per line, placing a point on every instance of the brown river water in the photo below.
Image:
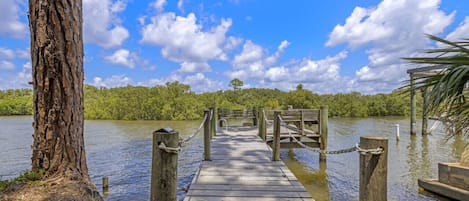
121	150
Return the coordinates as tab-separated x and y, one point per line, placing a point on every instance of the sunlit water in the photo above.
121	150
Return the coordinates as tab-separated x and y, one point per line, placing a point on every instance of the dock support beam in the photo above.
424	111
164	165
373	170
262	125
323	121
412	105
207	135
276	145
213	122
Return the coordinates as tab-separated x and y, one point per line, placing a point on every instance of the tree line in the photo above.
176	101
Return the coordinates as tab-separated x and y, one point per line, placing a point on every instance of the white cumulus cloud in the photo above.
111	82
253	60
10	19
185	41
390	31
101	25
122	57
461	32
6	65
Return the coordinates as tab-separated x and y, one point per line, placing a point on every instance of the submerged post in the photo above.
276	145
207	135
164	164
105	185
373	169
412	105
424	111
323	121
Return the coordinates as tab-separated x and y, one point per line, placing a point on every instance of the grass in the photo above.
27	176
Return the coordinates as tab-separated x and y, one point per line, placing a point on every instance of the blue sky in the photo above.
332	46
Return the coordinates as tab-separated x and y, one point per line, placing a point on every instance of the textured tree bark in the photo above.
57	67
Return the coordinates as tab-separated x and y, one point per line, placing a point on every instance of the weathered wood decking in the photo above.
241	169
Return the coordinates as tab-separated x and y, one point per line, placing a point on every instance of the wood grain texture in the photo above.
241	168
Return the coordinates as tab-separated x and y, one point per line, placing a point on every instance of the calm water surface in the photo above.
121	150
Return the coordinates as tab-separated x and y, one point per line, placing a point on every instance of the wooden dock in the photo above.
241	168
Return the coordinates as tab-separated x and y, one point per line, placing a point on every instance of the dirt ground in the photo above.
51	190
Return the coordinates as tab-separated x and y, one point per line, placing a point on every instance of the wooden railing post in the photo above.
213	122
220	123
323	121
164	165
254	113
276	145
207	135
262	124
373	170
302	122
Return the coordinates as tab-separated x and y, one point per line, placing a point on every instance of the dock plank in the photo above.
241	169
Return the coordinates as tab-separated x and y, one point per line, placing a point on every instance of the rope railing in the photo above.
357	148
182	142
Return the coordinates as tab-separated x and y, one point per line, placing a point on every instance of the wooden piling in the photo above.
105	185
302	122
254	113
213	122
424	111
412	105
220	123
276	142
164	165
207	135
373	170
261	118
323	121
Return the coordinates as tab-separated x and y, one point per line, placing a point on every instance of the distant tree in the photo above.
236	84
299	87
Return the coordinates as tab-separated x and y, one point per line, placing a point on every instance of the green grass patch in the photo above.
27	176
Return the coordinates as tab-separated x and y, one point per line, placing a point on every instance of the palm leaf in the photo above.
449	93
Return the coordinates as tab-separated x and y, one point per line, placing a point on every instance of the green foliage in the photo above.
175	101
449	89
236	84
27	176
16	102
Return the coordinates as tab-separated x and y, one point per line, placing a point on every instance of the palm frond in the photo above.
449	93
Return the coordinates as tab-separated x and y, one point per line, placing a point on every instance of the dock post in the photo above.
262	124
220	123
323	121
213	123
276	145
105	185
207	136
302	122
164	164
254	113
424	112
412	105
373	170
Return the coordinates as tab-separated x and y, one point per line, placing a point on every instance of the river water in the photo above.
121	150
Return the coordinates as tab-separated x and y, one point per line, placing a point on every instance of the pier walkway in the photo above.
241	168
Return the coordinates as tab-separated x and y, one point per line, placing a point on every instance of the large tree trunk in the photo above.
57	67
